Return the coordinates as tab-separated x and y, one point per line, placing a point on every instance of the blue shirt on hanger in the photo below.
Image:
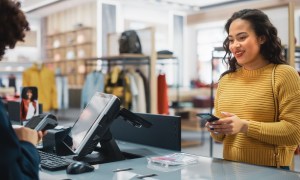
94	82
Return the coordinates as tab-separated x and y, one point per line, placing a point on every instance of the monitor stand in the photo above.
108	152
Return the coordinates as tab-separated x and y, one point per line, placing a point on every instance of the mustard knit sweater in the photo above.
248	94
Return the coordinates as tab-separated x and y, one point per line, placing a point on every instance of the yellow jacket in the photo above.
117	83
44	80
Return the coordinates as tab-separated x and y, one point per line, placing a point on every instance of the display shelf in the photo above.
127	56
67	50
13	67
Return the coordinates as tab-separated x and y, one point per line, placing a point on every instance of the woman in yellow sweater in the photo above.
249	128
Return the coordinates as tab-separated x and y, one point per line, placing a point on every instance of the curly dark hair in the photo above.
270	50
13	25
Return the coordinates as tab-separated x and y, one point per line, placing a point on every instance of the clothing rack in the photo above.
123	60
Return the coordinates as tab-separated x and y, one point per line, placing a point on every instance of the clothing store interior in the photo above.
75	49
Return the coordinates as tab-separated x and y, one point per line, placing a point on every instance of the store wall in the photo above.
144	14
27	52
170	35
190	55
137	17
278	16
69	19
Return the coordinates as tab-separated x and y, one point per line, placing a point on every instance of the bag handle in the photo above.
276	154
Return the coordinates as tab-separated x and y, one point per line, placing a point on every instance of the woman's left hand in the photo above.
229	124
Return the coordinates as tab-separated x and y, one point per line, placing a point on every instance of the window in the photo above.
209	37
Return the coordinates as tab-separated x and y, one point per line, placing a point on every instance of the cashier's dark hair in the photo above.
271	49
13	25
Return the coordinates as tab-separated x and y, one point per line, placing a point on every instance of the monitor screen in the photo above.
88	120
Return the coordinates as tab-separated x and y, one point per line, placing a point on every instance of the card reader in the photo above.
42	122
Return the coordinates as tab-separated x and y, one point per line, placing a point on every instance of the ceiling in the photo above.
28	3
42	7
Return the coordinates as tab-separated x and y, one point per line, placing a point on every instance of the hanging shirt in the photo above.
62	92
94	82
118	84
134	92
162	95
44	80
12	81
141	107
146	87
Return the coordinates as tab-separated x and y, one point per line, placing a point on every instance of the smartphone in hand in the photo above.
207	117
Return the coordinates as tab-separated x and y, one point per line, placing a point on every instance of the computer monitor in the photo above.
92	127
92	123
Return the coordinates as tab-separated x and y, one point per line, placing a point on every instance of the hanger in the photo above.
58	72
98	68
38	64
161	70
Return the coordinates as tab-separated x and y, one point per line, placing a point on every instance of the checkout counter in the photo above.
206	168
163	138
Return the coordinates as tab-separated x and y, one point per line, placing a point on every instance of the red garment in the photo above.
162	95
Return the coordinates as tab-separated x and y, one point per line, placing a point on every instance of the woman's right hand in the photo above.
229	124
209	127
29	135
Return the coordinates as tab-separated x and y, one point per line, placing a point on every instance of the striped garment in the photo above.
248	94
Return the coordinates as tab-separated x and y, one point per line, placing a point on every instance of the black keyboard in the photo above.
53	162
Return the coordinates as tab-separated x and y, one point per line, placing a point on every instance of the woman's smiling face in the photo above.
245	45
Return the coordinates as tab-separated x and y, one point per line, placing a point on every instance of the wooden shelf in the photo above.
75	30
71	45
67	50
165	56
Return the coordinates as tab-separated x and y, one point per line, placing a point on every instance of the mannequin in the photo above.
44	79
